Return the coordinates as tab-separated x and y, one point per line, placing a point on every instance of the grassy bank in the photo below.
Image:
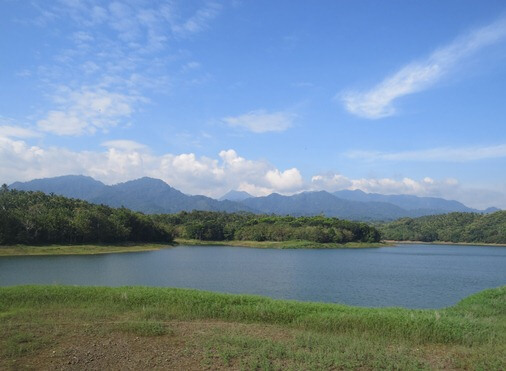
15	250
297	244
96	327
394	242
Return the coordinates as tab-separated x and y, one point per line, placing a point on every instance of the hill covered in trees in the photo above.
219	226
452	227
37	218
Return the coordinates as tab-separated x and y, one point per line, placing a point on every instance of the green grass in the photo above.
477	319
22	343
251	332
15	250
144	328
296	244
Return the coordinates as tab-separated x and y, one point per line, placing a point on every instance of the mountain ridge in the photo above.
408	202
154	196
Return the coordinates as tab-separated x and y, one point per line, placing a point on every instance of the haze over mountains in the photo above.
150	195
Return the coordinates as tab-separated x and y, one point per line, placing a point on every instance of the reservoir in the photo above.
410	276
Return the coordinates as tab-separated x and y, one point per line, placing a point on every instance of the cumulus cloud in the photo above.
261	121
287	180
447	154
420	75
123	160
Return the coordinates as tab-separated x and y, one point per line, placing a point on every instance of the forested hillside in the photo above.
218	226
452	227
37	218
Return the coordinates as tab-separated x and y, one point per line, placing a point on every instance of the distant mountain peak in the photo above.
234	195
490	210
146	179
75	186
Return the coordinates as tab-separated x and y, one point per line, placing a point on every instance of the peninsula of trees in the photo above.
452	227
221	226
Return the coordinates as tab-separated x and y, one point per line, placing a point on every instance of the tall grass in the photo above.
478	319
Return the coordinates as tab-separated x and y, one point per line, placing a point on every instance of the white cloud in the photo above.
86	111
288	180
261	121
414	77
331	182
124	160
123	144
14	131
450	189
115	53
198	21
63	123
446	154
424	187
192	65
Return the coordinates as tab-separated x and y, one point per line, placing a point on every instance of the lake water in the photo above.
412	276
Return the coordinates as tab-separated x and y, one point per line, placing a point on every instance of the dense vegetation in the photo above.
37	218
453	227
53	327
219	226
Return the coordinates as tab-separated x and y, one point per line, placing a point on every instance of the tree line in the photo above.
452	227
38	218
221	226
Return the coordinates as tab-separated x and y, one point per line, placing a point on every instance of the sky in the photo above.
392	97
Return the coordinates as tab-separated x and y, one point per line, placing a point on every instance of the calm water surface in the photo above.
412	276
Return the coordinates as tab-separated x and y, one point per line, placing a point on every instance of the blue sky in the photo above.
262	96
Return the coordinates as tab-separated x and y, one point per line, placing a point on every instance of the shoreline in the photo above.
444	243
86	249
293	244
95	249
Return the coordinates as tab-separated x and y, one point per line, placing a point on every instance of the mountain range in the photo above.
151	196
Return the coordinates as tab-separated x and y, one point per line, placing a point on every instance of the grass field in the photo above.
62	327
